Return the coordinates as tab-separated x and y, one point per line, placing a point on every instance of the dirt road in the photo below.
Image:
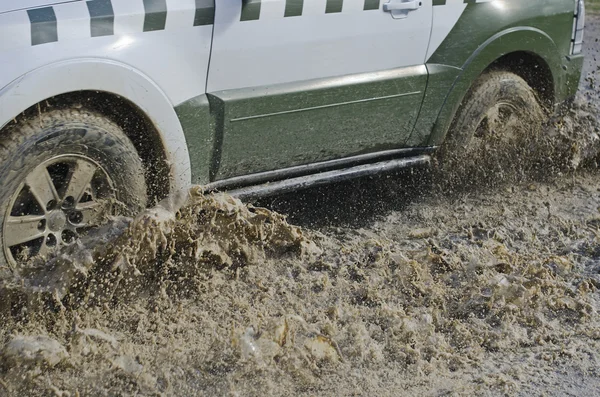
388	287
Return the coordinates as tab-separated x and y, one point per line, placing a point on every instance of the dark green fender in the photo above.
485	33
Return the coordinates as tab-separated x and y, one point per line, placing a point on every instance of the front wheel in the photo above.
494	131
61	173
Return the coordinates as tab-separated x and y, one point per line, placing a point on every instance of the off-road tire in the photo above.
458	157
30	142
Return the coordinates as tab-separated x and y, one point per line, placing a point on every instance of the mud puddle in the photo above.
472	292
475	295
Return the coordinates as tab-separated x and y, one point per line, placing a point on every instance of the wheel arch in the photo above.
515	50
130	118
119	92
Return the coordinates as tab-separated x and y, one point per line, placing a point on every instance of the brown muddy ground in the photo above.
389	287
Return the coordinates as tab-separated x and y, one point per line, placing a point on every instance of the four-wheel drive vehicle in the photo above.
126	100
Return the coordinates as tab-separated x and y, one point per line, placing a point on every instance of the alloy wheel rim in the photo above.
57	202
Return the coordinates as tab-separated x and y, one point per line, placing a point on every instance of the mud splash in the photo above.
220	298
568	142
489	292
166	255
193	230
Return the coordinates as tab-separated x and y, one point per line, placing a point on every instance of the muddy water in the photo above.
473	292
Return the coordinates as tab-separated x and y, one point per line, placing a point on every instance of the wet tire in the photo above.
88	159
493	130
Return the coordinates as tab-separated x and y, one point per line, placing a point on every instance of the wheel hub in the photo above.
56	203
57	220
498	124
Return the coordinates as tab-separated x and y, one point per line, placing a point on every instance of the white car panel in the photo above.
153	53
282	49
14	35
110	76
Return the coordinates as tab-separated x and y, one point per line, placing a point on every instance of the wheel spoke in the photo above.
93	213
22	229
41	186
81	177
45	249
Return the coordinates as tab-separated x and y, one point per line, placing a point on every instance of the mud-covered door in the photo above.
302	81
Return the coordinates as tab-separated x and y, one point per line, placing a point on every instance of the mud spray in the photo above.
480	292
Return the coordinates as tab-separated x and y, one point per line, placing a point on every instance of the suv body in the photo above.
253	86
249	95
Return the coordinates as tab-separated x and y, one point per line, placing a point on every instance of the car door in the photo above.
303	81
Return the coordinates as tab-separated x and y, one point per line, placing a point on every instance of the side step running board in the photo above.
323	178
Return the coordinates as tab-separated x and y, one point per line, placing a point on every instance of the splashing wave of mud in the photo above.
190	229
568	142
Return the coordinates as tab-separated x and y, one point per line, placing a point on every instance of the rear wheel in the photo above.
61	173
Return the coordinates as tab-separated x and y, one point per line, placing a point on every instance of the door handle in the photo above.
398	5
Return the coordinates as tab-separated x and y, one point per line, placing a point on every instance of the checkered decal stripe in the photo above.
44	26
102	18
44	23
293	8
205	12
